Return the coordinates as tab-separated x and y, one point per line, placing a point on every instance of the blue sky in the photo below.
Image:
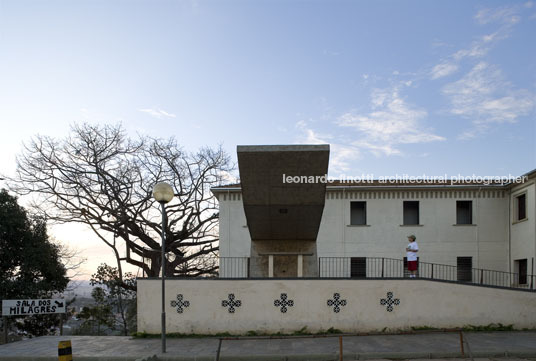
396	87
410	87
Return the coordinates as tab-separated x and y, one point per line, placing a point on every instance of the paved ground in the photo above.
414	346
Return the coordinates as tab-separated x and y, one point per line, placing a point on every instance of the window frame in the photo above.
404	213
516	214
521	268
471	221
364	211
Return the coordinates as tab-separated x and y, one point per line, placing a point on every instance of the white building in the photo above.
470	226
321	256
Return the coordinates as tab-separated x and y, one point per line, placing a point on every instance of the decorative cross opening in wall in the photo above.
180	303
231	303
283	303
389	301
336	302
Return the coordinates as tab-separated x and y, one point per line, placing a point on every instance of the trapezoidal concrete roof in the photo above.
275	209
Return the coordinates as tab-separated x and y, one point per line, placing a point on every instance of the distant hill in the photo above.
80	288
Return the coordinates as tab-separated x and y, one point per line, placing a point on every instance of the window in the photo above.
464	212
358	266
465	268
521	207
411	212
521	268
358	213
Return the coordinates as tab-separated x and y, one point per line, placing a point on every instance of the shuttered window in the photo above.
465	269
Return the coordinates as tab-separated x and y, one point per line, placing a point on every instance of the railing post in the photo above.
249	267
383	260
481	276
432	275
461	343
340	349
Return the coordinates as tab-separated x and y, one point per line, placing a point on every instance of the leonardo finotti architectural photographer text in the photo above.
406	179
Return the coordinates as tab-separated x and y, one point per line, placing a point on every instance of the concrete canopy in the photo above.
278	210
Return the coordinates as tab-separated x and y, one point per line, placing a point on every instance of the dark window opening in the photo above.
465	268
411	212
521	207
464	212
522	270
358	267
358	213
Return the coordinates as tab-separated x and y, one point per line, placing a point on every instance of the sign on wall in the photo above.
32	307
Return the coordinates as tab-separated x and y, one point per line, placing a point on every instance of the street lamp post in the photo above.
163	193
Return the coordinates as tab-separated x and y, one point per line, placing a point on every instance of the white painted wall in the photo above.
234	234
421	303
439	239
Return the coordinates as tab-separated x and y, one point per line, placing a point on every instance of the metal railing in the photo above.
377	267
382	267
233	267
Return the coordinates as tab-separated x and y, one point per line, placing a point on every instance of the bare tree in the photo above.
72	261
100	177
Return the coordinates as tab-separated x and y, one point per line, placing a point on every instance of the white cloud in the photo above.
506	16
443	69
503	14
157	113
485	97
228	178
340	154
377	150
391	122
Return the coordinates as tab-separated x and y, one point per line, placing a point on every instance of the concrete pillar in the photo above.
271	266
300	265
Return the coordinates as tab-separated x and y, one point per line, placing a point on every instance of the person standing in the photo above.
411	254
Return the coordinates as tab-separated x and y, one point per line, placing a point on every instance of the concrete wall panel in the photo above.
413	303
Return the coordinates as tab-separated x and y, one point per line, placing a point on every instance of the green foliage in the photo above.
99	317
302	331
424	328
115	302
31	265
490	327
251	333
332	330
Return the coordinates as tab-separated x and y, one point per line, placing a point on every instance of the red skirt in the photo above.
412	265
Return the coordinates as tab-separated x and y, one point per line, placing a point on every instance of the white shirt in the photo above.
411	255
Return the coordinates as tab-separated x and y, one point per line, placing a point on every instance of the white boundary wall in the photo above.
421	303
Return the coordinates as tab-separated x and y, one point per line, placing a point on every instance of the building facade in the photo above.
468	226
316	256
